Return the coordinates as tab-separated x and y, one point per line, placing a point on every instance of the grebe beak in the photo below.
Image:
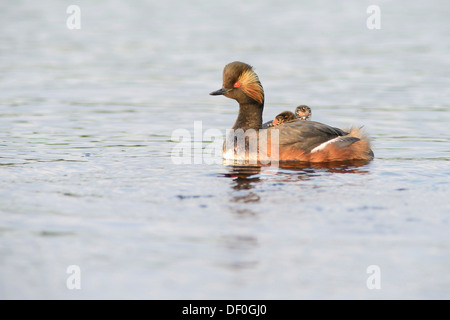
219	92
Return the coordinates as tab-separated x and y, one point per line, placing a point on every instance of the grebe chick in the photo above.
283	117
303	112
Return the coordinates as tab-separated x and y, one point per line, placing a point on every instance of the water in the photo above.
87	178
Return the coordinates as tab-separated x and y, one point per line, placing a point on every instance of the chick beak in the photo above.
219	92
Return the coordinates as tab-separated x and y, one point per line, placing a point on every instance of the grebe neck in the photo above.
249	117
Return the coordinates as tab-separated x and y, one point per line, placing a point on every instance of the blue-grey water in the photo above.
87	176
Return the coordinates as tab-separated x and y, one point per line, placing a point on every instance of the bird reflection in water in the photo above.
245	199
245	177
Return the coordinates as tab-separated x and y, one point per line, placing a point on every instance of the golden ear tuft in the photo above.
249	83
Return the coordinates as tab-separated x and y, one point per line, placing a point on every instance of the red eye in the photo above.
237	84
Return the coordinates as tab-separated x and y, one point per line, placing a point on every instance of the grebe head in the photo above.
241	83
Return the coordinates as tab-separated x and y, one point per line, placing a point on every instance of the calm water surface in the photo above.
87	177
